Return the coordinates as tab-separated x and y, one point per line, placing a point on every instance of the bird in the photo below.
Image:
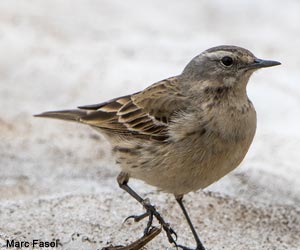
180	134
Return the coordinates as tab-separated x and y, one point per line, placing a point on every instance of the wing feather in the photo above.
143	114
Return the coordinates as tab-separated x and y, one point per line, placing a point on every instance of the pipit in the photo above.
183	133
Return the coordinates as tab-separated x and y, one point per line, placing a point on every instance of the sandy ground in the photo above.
58	179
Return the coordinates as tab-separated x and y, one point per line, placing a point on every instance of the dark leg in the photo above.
150	209
198	242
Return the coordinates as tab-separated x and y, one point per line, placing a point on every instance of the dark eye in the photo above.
227	61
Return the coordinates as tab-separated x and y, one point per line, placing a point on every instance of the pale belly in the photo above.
182	171
190	163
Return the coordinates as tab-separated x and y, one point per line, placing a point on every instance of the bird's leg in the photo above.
150	209
199	245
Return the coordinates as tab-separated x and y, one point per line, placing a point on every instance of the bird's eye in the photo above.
227	61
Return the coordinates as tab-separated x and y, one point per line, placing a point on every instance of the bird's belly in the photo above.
191	163
182	169
190	174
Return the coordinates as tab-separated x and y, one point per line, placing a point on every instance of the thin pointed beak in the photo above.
260	63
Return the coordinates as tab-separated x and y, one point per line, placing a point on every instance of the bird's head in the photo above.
225	66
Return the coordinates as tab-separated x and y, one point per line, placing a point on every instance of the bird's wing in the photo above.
143	114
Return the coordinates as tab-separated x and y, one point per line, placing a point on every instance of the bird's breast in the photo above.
201	150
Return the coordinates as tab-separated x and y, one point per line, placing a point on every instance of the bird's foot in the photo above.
150	213
137	218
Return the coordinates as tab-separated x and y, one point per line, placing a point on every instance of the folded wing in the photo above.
145	114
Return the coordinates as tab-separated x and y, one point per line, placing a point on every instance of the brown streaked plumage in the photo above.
183	133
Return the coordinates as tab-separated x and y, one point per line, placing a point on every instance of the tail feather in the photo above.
69	115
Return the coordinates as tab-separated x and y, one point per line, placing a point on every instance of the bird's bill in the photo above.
260	63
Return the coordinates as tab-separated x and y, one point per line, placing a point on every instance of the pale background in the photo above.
58	179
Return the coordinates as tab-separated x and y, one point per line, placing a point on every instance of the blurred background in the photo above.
62	54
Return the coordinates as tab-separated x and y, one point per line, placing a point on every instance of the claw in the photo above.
150	210
150	213
129	217
137	218
153	212
149	224
172	232
169	231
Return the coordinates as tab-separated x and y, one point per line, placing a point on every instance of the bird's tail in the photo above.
69	115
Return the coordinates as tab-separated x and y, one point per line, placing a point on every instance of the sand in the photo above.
58	179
